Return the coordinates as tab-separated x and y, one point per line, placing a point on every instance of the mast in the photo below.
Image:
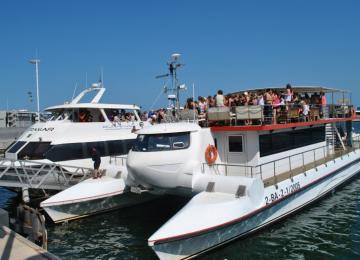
174	90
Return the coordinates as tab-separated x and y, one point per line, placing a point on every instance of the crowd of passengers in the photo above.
272	101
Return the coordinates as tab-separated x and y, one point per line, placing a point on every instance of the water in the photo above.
330	229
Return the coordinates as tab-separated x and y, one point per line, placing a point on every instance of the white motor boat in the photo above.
242	177
66	140
74	128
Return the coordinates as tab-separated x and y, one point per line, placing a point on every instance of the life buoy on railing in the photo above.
211	154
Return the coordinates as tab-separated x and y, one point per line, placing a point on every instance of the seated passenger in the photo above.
83	116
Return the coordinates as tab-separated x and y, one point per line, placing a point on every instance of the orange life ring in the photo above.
211	154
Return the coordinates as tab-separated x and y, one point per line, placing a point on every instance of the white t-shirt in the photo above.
219	100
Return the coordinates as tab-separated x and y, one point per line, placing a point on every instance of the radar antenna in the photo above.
173	91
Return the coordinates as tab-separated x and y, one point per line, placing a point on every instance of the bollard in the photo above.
25	195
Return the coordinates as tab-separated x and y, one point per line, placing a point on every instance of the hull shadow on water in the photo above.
120	234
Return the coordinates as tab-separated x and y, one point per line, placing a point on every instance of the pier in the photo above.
14	246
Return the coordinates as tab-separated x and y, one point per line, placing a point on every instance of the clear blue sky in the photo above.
231	45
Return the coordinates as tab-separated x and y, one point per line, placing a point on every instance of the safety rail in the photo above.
275	114
37	175
288	164
118	158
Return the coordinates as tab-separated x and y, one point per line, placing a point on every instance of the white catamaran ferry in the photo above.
245	166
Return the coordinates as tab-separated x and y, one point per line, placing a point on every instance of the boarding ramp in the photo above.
35	175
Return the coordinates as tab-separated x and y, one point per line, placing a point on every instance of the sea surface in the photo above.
329	229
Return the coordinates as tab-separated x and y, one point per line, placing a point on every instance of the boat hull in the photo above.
67	212
191	245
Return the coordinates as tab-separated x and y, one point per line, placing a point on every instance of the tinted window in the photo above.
119	147
280	142
16	147
34	150
162	142
64	152
76	151
236	143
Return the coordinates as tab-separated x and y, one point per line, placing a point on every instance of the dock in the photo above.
14	246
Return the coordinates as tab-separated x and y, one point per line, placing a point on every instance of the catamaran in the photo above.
244	168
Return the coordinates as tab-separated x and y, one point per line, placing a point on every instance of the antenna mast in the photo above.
174	90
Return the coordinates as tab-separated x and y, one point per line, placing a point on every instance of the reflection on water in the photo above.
328	229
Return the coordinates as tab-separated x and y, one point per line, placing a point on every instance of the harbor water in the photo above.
329	229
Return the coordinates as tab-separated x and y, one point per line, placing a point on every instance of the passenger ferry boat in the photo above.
66	140
242	177
74	128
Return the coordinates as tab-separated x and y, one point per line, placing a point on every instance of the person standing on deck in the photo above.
95	156
323	105
219	99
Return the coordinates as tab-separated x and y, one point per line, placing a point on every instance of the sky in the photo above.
228	45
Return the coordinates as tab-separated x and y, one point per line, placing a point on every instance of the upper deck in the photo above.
274	108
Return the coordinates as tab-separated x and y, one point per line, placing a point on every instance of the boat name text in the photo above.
282	192
40	129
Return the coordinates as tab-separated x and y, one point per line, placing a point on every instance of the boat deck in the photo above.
301	170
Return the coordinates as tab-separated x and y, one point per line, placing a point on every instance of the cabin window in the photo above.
162	142
281	142
236	144
121	115
34	151
76	151
16	147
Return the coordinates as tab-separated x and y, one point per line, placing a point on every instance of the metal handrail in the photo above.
269	163
35	174
115	157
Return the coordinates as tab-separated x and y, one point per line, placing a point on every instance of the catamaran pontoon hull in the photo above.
312	186
92	196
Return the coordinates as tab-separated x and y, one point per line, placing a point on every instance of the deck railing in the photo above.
292	164
262	115
115	159
37	175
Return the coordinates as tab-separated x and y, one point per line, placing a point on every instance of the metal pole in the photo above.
36	62
37	89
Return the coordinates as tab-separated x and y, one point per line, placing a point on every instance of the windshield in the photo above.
161	142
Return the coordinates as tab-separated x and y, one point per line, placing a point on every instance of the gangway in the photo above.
36	175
